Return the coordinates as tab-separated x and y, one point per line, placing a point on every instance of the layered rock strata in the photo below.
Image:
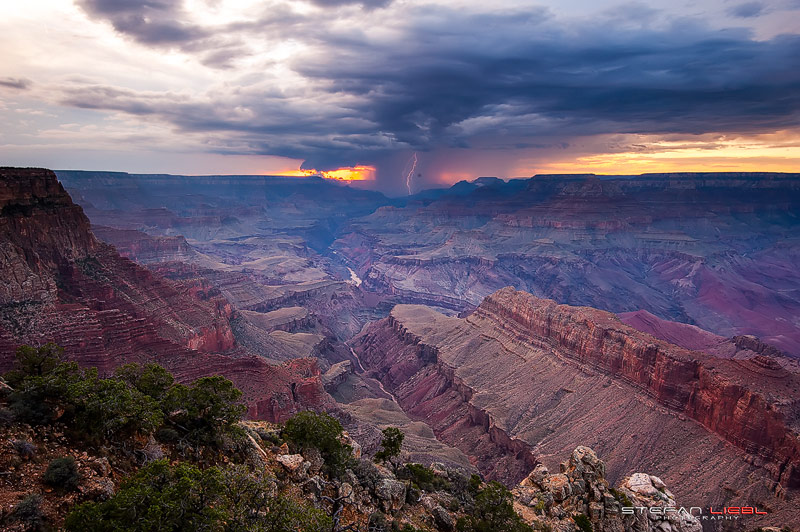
538	379
60	284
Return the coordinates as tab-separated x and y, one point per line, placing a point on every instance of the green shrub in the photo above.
309	429
475	484
151	379
37	399
131	403
583	523
206	411
184	497
423	477
34	362
493	512
62	473
29	512
367	474
110	409
377	523
167	435
623	499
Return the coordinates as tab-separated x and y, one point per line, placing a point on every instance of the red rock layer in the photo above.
60	284
428	389
726	398
525	373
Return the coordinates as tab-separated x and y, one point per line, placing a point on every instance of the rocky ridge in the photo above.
60	284
537	379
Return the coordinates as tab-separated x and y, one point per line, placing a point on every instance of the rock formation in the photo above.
60	284
581	489
712	250
528	379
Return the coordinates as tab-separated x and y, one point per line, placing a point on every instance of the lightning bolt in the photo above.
411	172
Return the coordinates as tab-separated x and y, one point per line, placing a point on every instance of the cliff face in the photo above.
713	250
60	284
538	378
736	399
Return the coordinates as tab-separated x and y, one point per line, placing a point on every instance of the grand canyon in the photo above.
400	266
500	324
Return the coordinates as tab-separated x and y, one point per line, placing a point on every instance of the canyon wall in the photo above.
715	250
60	284
537	378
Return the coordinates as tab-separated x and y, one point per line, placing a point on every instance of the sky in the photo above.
408	94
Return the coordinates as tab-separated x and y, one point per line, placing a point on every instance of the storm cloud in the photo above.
369	82
449	78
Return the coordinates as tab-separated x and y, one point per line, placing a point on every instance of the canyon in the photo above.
477	318
521	380
62	285
713	250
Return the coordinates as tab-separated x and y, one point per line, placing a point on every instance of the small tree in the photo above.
34	362
110	409
29	512
205	411
309	429
150	379
391	444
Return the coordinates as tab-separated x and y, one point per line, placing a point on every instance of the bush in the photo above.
623	499
36	399
377	523
167	435
110	409
493	512
206	411
367	474
34	362
24	449
29	512
463	488
583	523
6	417
309	429
62	473
151	379
423	477
183	497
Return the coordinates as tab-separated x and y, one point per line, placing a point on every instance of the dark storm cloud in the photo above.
153	22
747	10
523	76
450	78
16	83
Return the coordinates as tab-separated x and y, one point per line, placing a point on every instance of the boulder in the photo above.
443	519
535	477
558	485
291	462
391	493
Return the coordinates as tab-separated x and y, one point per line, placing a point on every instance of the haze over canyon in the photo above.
501	325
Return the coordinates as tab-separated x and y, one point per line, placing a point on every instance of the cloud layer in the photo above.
370	82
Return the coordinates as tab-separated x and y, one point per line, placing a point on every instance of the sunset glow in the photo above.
350	173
